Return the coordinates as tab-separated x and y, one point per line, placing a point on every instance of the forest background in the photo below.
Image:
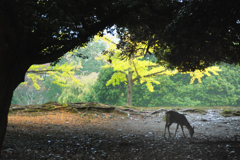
85	65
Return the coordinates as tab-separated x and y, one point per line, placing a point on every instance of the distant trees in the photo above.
115	95
219	90
70	80
74	92
26	93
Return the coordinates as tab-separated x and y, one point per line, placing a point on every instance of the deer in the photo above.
180	119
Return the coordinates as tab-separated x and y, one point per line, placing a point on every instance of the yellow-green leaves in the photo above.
197	74
117	78
34	78
59	73
142	70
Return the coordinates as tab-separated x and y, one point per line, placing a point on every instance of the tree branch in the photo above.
136	69
54	70
124	74
150	75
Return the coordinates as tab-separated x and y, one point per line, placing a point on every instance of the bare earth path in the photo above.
111	136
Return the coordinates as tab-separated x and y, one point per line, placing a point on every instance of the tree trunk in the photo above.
13	63
129	87
11	76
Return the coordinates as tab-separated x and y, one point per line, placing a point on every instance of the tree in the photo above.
65	75
58	73
199	33
41	31
90	52
26	94
73	92
136	69
114	95
215	90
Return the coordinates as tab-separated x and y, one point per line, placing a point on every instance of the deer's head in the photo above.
191	131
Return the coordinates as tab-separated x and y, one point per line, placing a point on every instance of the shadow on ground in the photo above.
104	136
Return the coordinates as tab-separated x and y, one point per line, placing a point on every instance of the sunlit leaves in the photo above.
59	73
34	78
74	92
116	78
197	74
143	70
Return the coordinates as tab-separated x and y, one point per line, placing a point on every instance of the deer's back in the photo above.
175	117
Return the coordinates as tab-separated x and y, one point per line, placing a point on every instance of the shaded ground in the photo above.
60	135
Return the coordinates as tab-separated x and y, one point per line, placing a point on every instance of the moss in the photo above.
116	111
65	105
30	110
74	110
229	113
237	113
201	111
50	107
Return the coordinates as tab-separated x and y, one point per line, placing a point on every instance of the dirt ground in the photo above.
51	136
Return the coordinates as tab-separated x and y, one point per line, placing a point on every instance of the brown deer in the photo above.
180	119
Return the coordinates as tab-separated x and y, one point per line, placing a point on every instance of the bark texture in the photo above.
129	88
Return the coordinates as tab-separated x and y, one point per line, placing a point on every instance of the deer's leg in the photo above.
176	130
168	129
183	131
166	126
165	129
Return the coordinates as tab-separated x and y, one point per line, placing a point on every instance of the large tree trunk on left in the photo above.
11	75
13	62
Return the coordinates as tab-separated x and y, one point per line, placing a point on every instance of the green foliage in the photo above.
215	90
142	69
53	90
91	51
79	93
58	73
26	94
109	94
61	81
